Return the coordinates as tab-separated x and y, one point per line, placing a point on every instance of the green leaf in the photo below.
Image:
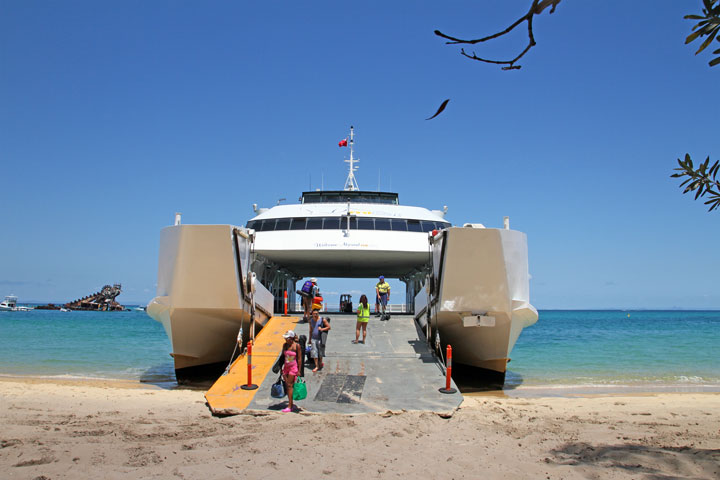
693	17
714	169
693	36
714	62
707	42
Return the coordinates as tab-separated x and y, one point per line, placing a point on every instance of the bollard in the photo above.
448	373
250	385
285	300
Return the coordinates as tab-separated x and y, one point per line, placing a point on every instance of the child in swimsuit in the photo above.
290	370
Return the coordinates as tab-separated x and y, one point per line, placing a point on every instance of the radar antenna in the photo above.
351	183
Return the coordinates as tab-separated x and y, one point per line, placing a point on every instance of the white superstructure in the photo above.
346	234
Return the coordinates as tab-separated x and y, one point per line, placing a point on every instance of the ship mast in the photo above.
351	183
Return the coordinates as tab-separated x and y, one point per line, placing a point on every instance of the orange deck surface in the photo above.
226	397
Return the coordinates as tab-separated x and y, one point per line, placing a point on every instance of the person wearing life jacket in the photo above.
382	289
308	291
363	317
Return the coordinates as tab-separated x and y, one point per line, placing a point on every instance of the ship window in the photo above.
427	226
344	196
414	226
399	225
331	223
298	224
365	223
266	225
382	224
442	225
314	223
251	223
353	223
283	224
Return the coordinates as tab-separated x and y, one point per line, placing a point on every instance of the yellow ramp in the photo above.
226	397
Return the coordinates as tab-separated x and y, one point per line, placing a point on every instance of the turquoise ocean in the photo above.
565	350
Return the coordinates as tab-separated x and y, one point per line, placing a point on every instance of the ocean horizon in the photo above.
600	350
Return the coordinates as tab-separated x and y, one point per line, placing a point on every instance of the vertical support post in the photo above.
285	301
448	373
250	385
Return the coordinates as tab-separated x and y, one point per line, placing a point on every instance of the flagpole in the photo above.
351	183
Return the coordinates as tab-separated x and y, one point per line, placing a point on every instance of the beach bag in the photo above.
279	363
300	389
303	347
278	389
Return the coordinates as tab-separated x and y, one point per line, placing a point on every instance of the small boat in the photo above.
10	305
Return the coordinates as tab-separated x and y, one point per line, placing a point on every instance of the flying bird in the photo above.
439	110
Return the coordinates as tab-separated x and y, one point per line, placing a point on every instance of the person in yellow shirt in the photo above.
382	289
363	317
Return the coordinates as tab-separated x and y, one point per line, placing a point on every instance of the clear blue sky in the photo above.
114	115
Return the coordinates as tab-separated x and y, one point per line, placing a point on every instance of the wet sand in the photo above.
56	429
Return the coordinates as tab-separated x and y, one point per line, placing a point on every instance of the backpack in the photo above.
307	287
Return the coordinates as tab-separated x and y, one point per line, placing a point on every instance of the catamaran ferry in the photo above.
467	286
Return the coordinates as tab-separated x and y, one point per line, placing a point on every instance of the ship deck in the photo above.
394	370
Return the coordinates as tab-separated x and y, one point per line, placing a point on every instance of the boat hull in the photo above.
202	296
479	300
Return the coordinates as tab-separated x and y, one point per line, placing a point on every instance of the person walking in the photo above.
363	317
382	289
290	370
318	325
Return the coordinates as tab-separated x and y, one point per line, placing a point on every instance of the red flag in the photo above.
342	143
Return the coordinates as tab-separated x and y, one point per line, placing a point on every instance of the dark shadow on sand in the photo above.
474	380
163	376
647	462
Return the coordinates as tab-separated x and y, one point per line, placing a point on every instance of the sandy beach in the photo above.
54	429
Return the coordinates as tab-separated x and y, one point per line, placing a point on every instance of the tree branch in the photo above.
709	25
701	180
536	8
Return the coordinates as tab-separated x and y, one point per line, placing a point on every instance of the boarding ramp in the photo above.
394	370
226	396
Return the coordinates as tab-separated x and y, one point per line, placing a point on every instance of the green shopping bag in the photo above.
299	389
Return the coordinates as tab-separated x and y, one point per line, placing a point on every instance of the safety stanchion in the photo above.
250	385
285	301
448	373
